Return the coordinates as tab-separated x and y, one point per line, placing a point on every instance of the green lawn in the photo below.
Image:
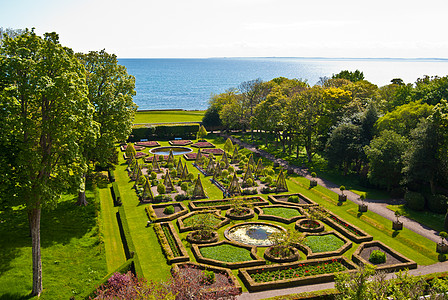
324	243
226	253
169	116
73	259
282	212
427	218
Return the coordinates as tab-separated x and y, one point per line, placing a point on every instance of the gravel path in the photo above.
377	206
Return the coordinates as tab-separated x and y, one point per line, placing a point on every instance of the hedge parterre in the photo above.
302	270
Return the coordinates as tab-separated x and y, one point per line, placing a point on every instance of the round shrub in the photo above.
231	169
153	175
269	179
161	157
225	173
377	257
173	173
414	200
170	165
184	186
169	210
271	172
208	277
437	203
230	178
161	189
154	182
249	182
293	199
190	176
181	197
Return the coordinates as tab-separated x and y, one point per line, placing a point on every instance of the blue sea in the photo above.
189	83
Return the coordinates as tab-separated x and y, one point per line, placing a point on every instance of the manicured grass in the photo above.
115	256
427	218
73	259
324	243
226	253
282	212
190	221
169	116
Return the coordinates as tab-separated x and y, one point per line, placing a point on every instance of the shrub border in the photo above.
250	215
406	262
153	217
357	239
263	216
166	246
232	278
183	228
274	200
309	253
193	204
257	261
294	257
253	286
309	230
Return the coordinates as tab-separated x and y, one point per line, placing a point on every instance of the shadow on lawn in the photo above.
14	297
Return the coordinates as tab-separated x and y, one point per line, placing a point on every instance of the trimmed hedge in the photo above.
111	175
414	200
116	194
164	240
437	203
163	132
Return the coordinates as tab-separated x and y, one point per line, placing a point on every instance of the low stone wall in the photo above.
183	227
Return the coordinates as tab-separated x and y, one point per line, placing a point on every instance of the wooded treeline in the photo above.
394	136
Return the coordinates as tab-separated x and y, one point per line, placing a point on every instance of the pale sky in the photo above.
239	28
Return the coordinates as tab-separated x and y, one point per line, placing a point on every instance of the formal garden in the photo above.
239	216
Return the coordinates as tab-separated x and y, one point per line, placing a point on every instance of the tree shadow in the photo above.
359	215
395	233
15	297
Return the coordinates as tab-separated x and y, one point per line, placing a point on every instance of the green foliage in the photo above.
161	189
283	212
153	175
352	76
202	132
294	199
414	200
377	257
323	243
208	277
169	210
437	203
184	186
226	253
163	132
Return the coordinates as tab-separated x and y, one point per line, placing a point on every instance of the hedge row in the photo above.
128	244
166	247
111	175
115	194
163	132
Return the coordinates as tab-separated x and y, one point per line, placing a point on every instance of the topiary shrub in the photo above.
153	175
181	197
293	199
377	257
414	200
184	186
225	173
437	203
161	189
169	210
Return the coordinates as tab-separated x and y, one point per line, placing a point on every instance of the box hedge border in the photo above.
153	217
263	216
253	286
309	253
274	200
183	228
171	258
406	263
168	132
365	237
193	205
257	261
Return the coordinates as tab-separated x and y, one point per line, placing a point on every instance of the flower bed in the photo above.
394	260
324	244
280	213
193	155
248	213
194	238
224	203
136	147
214	151
184	223
350	231
294	274
140	155
151	158
283	199
273	254
148	144
308	225
171	244
180	142
155	212
227	254
226	284
203	145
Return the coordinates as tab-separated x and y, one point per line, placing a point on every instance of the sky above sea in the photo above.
189	83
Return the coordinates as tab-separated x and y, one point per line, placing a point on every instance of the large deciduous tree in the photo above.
44	95
111	90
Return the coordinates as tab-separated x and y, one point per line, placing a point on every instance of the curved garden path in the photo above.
377	206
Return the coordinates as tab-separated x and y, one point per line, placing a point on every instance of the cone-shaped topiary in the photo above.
225	159
235	155
168	183
281	183
180	167
147	193
234	187
198	192
155	165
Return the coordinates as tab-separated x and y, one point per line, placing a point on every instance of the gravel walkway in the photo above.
377	206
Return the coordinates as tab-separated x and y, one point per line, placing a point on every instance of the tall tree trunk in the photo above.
35	240
446	220
82	192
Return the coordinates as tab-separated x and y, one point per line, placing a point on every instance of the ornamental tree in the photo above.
44	96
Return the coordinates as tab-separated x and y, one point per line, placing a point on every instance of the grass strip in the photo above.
324	243
226	253
283	212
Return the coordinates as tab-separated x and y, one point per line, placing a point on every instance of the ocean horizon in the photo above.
189	83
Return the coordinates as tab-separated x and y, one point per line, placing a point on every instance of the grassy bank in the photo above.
169	116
